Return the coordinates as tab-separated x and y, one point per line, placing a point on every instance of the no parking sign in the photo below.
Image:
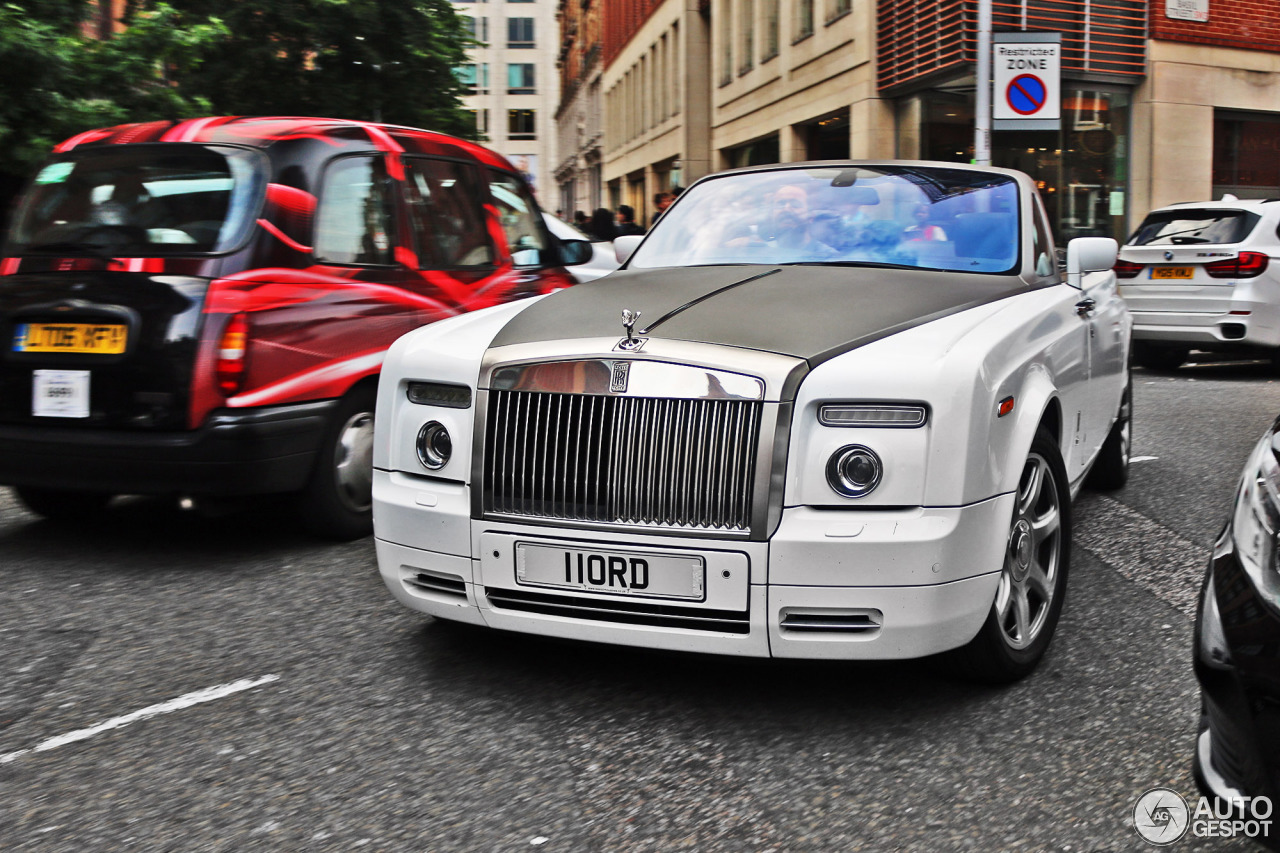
1027	71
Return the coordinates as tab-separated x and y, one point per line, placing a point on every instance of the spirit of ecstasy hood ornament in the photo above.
629	319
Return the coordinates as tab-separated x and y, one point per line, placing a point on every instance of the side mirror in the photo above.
623	246
1089	254
574	252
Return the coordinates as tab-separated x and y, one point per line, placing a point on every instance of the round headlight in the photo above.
854	471
434	445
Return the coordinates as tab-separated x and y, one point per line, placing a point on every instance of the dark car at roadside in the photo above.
1237	645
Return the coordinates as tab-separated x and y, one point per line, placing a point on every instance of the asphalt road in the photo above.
171	682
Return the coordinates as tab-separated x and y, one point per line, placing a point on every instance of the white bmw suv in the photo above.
1203	275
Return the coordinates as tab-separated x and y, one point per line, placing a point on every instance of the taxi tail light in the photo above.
1247	265
232	350
1127	269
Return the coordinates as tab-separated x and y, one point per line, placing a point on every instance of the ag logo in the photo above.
618	381
1161	816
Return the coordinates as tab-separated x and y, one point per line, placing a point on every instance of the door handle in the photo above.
1085	307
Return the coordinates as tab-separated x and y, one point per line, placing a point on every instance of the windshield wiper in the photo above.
1182	241
92	249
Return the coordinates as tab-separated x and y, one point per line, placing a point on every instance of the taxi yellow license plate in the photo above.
94	338
1173	272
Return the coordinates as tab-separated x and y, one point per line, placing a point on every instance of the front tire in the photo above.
337	502
1033	578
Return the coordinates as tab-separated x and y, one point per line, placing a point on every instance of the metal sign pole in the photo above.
982	105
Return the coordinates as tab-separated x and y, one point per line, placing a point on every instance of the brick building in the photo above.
579	119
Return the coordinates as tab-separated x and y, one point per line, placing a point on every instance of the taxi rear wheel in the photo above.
338	500
1033	577
62	504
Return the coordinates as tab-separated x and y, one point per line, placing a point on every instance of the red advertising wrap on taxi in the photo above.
252	272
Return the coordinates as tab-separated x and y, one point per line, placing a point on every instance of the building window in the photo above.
747	32
804	19
838	9
520	33
477	28
522	124
466	75
771	14
1245	149
520	80
474	78
726	45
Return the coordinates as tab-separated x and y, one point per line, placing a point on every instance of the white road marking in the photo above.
1143	458
197	697
1144	551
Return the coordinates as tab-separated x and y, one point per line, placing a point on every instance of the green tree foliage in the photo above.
59	81
380	60
388	60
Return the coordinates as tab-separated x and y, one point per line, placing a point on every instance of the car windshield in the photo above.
1184	227
141	199
911	216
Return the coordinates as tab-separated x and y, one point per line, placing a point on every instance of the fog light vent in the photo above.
862	621
438	583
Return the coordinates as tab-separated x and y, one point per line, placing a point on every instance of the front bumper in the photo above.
236	452
829	584
1237	662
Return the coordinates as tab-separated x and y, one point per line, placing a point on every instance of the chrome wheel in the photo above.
1032	558
353	462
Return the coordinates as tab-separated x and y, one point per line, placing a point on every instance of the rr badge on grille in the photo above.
621	372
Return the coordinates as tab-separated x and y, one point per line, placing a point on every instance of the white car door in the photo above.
1107	319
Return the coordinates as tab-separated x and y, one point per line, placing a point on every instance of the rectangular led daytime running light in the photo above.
439	394
873	415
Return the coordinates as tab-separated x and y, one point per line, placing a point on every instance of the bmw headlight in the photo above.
1255	525
435	446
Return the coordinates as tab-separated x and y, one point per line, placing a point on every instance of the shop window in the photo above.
1246	155
1082	170
758	153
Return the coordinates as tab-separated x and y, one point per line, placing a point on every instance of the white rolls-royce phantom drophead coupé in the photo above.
824	410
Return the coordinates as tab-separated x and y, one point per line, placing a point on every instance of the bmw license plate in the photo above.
1173	272
634	573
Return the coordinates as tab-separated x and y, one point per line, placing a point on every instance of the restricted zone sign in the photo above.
1026	73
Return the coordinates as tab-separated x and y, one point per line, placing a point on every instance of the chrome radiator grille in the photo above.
621	460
